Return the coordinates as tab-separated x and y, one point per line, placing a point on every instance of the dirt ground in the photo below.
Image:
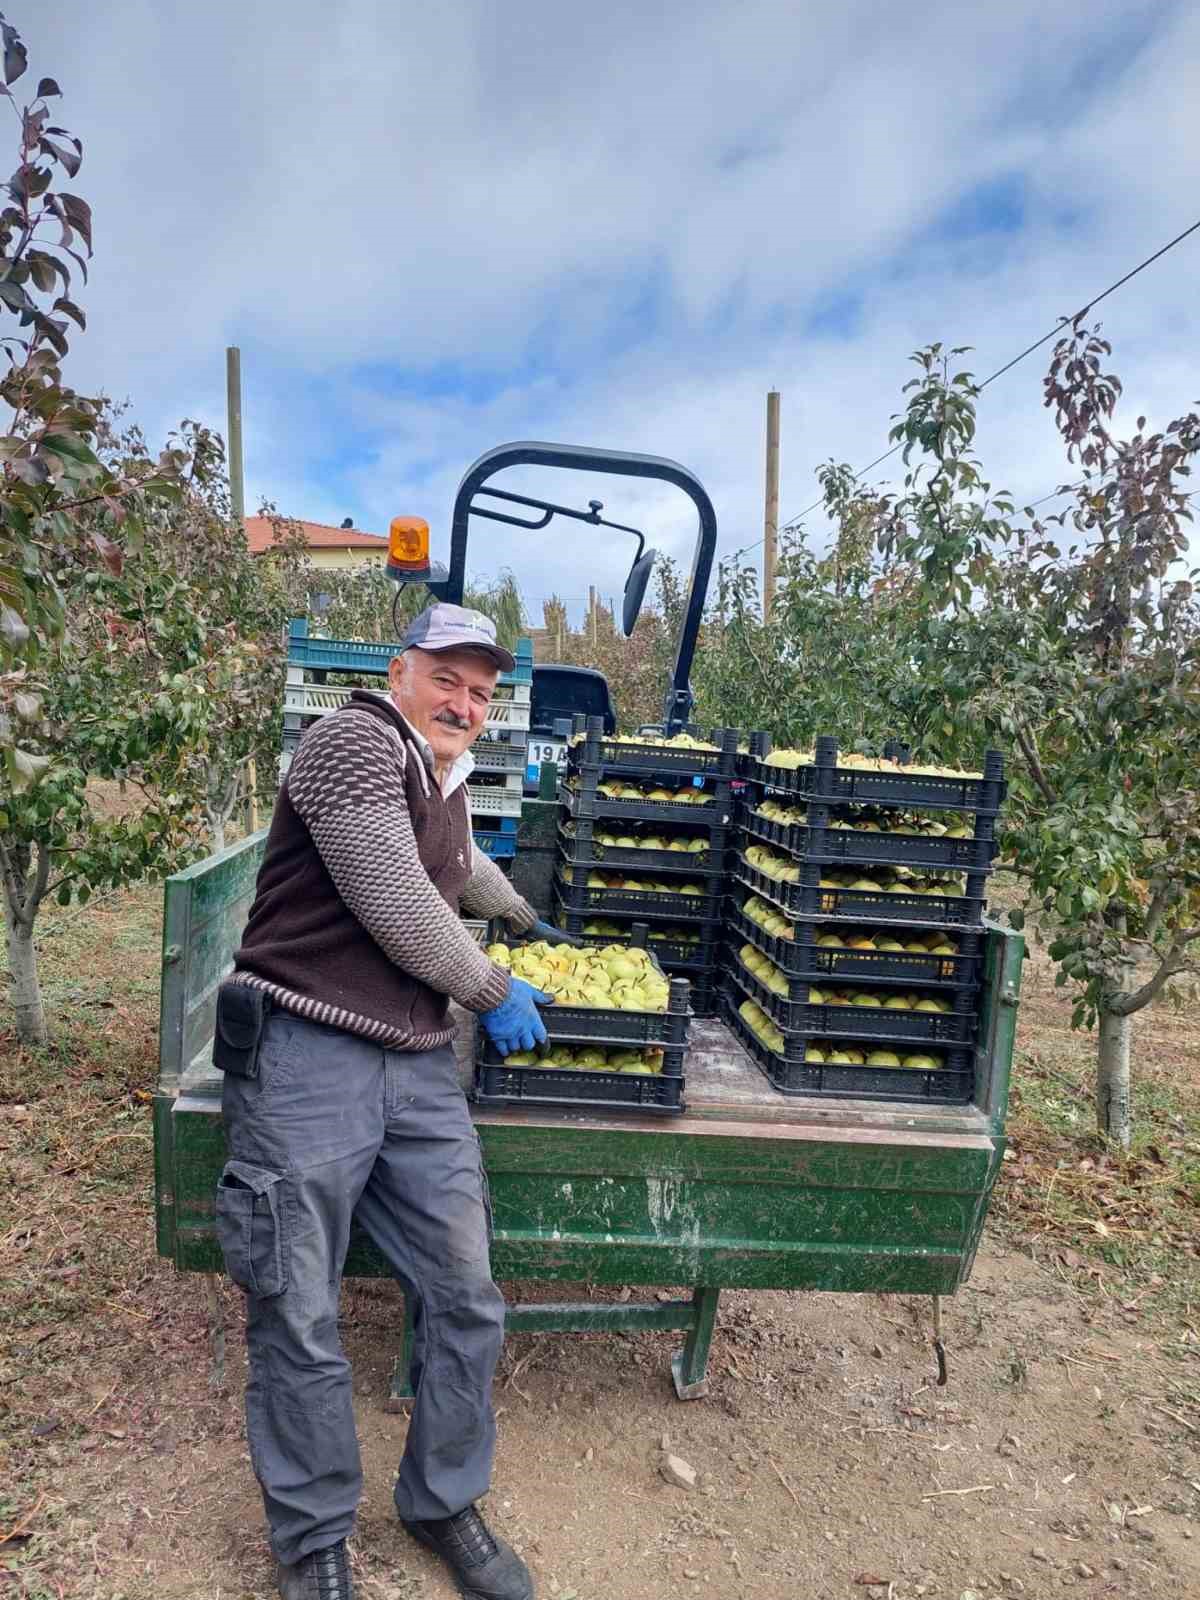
829	1464
1064	1454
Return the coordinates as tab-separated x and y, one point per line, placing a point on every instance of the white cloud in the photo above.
614	226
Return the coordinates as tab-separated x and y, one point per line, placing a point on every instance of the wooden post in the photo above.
233	401
771	521
252	794
237	500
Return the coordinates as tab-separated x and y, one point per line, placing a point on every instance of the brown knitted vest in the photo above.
301	936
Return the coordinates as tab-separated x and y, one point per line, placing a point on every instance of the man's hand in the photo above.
514	1024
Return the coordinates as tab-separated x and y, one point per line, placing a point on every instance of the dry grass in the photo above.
92	1325
77	1279
1122	1225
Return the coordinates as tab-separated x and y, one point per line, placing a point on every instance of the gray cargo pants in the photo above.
335	1127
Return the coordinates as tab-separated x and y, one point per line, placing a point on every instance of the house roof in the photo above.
260	535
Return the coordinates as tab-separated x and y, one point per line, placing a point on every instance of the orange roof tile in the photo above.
260	535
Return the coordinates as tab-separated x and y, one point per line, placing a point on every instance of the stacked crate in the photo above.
605	1058
643	834
494	788
860	891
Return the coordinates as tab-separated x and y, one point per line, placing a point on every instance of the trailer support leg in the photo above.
400	1391
689	1367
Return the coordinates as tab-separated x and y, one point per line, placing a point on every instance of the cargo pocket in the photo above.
251	1228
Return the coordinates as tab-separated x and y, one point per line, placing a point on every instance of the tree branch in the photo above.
1172	965
13	892
40	879
1029	751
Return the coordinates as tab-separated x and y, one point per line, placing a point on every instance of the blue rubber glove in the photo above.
514	1024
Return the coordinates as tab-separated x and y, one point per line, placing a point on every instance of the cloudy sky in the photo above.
435	228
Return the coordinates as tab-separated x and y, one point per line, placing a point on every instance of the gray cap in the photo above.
445	627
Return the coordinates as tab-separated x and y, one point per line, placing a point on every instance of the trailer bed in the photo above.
747	1188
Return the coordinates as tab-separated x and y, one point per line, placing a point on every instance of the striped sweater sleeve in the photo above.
346	782
489	894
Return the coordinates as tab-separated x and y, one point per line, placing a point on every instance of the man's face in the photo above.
445	695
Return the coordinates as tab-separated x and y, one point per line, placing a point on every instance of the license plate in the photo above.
539	750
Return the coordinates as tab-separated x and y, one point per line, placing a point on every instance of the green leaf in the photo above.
25	768
69	445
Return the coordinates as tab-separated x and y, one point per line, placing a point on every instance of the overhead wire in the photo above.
999	373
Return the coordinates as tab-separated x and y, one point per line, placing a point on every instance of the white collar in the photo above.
463	767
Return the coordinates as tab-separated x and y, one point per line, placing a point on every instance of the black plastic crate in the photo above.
795	1012
613	754
676	954
576	1090
608	1025
584	801
951	1084
572	921
860	846
584	851
824	779
802	957
686	958
862	905
705	997
654	903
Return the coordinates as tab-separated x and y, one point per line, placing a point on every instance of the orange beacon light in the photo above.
408	548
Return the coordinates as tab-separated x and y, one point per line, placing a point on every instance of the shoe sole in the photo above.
467	1593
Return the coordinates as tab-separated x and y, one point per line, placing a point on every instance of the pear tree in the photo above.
57	498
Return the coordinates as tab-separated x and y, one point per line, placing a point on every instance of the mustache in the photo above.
451	721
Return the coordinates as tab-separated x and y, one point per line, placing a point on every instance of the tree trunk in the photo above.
220	805
24	987
1112	1078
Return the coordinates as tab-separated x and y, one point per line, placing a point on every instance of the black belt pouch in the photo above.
241	1016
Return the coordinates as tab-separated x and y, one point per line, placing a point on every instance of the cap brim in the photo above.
494	652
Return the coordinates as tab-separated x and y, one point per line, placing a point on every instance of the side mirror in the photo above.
635	590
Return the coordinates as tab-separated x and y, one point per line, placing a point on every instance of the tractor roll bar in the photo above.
677	706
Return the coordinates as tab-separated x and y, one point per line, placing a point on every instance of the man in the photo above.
342	1100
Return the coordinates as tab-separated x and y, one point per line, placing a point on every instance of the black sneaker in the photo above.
321	1575
483	1566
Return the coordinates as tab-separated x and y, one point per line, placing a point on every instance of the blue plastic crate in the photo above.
358	655
499	846
501	825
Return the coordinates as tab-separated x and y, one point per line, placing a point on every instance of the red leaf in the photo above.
16	58
109	553
79	214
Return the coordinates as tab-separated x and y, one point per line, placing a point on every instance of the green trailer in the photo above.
746	1189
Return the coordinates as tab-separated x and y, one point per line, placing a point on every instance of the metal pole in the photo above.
592	613
233	400
771	521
